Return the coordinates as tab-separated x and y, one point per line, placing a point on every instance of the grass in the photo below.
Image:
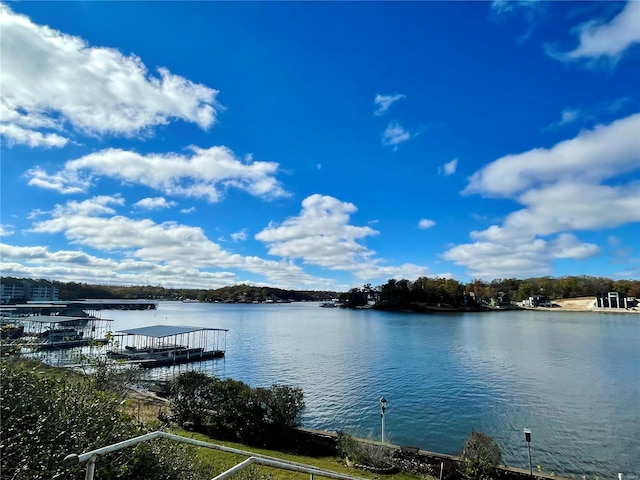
221	461
145	408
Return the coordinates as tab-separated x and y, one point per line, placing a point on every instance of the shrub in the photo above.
191	396
283	405
232	410
479	456
47	415
367	453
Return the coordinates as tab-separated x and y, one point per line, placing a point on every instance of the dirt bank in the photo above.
582	304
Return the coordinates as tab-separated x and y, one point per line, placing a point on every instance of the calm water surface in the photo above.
573	378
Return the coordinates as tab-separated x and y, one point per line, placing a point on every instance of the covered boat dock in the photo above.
160	345
59	331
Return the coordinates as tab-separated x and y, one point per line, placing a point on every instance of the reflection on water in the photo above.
574	379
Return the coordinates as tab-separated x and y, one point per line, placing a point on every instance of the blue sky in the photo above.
319	145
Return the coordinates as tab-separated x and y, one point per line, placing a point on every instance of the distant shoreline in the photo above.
575	305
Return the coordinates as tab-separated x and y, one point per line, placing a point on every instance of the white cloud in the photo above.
532	11
567	206
170	253
155	203
449	168
394	135
384	102
507	7
425	223
16	135
51	81
562	190
321	235
597	154
207	173
78	266
567	117
584	116
516	257
610	40
6	230
240	236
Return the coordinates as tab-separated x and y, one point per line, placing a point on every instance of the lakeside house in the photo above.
614	300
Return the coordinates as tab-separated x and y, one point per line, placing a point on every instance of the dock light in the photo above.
527	437
383	407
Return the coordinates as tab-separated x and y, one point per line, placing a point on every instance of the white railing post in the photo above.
91	468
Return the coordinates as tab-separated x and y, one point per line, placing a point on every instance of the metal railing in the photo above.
254	458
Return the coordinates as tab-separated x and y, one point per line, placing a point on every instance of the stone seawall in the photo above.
414	459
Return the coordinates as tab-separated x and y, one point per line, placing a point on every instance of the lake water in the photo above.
573	378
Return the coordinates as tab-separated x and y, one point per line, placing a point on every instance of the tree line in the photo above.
450	293
395	293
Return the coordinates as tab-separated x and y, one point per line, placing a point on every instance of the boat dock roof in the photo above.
58	319
162	331
88	304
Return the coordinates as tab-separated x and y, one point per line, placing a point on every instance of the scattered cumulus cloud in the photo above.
53	83
531	11
206	173
600	39
16	135
588	116
605	151
425	223
6	230
156	203
170	253
517	259
548	184
322	235
394	135
449	168
240	236
384	102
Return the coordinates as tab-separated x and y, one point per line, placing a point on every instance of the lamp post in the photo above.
527	437
383	407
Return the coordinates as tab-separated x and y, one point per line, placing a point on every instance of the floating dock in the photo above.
162	345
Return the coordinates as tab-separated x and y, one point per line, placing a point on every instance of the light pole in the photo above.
383	407
527	437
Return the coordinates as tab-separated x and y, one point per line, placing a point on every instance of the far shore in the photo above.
580	304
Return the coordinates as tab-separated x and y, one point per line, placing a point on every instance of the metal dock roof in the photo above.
59	319
161	331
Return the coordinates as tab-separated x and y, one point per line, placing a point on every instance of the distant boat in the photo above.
328	305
